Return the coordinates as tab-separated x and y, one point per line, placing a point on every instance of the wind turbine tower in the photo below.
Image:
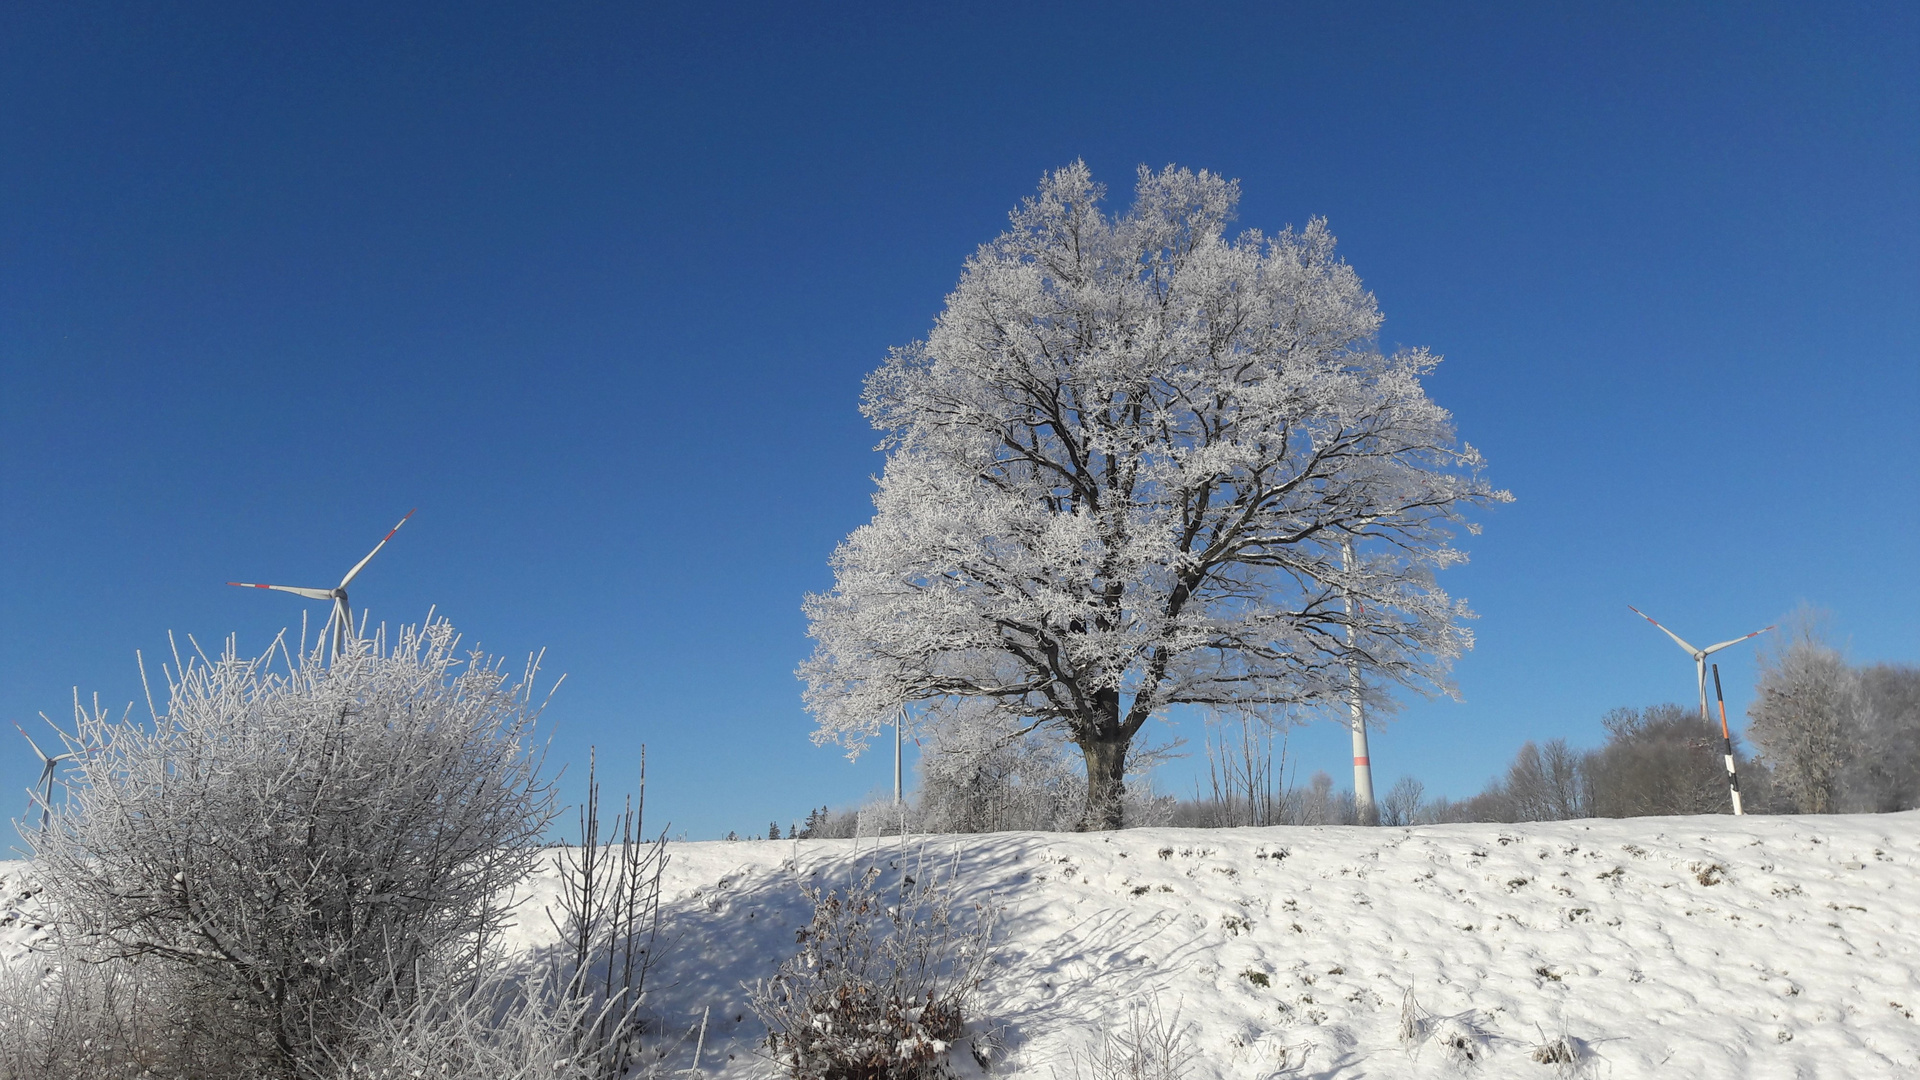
898	722
1700	667
1362	759
341	620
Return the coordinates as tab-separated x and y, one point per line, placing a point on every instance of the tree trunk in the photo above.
1106	781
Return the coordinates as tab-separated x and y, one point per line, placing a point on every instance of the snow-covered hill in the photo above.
1659	947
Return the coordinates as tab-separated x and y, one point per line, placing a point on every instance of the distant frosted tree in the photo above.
1885	775
990	776
1805	716
1403	802
1121	471
1319	805
985	777
1544	783
1657	760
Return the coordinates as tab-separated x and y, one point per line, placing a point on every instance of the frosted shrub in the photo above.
1460	1040
1414	1020
608	922
68	1015
506	1027
883	984
1569	1056
987	774
1555	1051
307	846
985	777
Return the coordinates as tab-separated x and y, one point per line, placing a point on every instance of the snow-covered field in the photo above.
1658	947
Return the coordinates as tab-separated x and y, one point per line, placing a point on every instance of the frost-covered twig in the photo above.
608	924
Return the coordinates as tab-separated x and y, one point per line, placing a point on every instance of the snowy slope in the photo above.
1662	947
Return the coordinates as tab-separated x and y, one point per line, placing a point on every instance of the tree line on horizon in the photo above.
1823	736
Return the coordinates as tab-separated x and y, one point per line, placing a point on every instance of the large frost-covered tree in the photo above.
1122	469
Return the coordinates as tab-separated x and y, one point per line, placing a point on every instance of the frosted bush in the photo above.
989	775
607	916
504	1028
303	841
69	1015
884	981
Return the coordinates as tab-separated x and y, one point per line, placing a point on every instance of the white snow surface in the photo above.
1699	947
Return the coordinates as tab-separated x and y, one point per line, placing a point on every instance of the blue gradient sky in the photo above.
595	285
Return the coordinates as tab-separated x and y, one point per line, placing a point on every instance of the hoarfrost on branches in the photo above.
989	775
309	842
885	980
1806	715
1121	471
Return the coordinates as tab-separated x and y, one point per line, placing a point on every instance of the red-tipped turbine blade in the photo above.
351	574
30	742
311	594
1738	640
1691	651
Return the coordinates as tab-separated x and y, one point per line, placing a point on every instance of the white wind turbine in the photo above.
1700	667
45	783
342	618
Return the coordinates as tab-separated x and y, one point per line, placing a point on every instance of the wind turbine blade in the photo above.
1677	640
36	746
311	594
344	628
357	567
1738	640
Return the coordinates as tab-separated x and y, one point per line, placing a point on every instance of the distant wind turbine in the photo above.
1700	667
45	783
342	618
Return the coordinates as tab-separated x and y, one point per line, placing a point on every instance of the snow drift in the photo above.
1649	947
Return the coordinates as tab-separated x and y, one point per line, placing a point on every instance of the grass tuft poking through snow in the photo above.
1151	1045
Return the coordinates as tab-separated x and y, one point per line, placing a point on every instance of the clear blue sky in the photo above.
594	287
